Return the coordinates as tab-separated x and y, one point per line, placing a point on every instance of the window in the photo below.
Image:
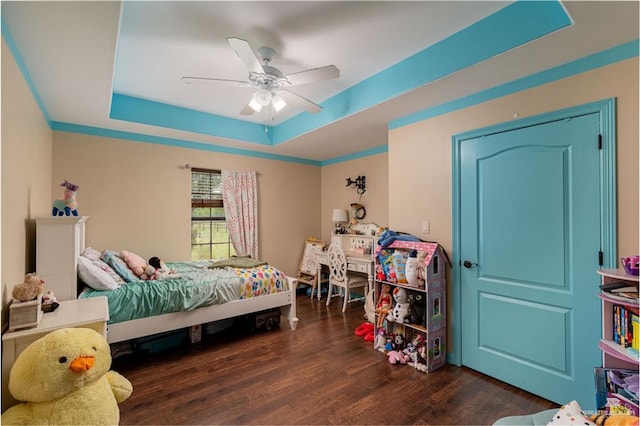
209	236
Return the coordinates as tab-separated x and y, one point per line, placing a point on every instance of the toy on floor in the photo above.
65	378
30	289
364	329
68	205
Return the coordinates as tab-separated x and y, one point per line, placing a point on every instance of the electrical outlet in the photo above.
425	227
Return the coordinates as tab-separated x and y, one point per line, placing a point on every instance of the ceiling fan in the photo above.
271	83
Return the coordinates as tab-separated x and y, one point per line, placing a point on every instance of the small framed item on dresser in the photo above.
25	314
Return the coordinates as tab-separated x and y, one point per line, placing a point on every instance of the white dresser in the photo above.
59	242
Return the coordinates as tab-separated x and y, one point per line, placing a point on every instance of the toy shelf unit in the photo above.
418	313
619	343
619	314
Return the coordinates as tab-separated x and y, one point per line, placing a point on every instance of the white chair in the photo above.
340	277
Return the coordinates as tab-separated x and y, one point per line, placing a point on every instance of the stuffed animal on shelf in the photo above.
380	340
417	309
411	269
401	307
65	378
397	357
420	363
422	278
412	353
68	205
30	289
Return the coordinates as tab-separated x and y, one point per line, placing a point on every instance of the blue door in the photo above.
529	243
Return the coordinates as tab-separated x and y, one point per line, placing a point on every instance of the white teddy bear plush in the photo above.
401	307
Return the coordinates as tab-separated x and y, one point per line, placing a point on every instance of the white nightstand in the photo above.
90	313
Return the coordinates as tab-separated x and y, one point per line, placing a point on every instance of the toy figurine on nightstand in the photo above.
49	302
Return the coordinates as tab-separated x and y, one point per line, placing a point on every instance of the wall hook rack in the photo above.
359	182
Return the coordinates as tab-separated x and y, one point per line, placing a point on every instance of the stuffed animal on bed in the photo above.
30	289
65	378
161	270
138	265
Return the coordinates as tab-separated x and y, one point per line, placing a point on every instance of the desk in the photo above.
355	262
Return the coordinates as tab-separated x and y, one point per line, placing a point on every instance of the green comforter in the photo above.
197	286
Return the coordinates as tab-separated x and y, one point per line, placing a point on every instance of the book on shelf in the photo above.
617	391
626	329
616	285
624	294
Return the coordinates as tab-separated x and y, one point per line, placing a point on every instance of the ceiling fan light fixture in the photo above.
255	105
277	102
263	97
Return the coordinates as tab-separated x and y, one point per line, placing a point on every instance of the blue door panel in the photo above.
538	322
527	205
530	219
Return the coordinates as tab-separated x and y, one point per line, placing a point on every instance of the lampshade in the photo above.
339	215
277	102
263	97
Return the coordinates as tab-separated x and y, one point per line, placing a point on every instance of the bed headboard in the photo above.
59	242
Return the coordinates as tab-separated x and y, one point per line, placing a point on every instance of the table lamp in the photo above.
340	217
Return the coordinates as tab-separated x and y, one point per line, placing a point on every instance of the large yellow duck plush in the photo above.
65	379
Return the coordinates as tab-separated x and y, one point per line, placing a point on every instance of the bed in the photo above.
195	294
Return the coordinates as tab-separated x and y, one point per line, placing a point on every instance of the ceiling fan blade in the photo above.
190	80
246	54
315	74
294	99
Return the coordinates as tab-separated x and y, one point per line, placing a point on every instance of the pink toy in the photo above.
397	357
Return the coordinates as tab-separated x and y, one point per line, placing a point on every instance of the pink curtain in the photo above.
240	196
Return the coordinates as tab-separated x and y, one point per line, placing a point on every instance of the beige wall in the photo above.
26	175
137	196
336	195
420	154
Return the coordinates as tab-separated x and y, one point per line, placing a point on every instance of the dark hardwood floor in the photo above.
320	374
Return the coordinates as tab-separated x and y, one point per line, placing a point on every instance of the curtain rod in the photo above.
200	169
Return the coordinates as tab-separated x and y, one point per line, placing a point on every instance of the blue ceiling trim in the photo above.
23	69
519	23
181	143
516	24
597	60
142	111
366	153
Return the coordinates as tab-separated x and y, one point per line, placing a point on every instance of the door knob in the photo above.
468	264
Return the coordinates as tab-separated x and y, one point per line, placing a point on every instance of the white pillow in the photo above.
570	414
91	253
95	277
